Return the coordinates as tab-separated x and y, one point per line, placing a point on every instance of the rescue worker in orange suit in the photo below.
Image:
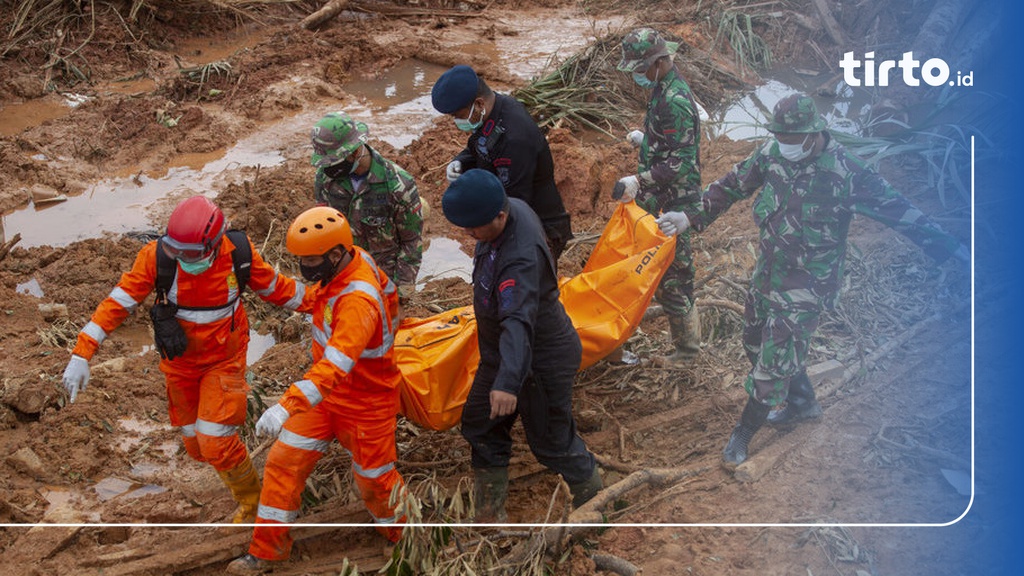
202	334
350	392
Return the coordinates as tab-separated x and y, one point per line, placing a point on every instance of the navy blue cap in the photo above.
474	199
454	90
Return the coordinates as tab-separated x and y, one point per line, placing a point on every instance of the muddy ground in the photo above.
891	446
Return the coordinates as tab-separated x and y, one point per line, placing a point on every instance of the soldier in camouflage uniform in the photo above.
378	197
668	177
811	186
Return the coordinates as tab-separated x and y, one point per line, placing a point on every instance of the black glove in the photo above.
170	338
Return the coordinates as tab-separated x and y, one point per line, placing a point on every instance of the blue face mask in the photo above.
198	267
643	81
466	125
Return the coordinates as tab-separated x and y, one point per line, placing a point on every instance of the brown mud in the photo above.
893	432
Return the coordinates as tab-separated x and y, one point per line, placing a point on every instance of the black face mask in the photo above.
343	168
321	273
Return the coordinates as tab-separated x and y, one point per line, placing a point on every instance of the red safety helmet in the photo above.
194	229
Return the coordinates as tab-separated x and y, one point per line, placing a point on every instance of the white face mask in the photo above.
795	152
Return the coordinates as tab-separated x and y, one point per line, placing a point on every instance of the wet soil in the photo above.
889	449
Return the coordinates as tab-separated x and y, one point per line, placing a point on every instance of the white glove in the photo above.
963	254
272	420
672	223
636	138
76	376
626	188
453	171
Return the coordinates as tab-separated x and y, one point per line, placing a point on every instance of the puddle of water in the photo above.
126	87
444	258
742	119
540	40
15	118
201	51
139	431
32	288
64	506
147	469
111	487
396	106
258	346
145	491
141	426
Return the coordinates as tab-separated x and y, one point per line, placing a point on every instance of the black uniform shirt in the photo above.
511	146
521	325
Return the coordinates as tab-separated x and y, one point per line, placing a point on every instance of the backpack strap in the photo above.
241	258
166	268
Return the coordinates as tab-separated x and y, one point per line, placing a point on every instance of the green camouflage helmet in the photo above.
796	114
642	47
335	136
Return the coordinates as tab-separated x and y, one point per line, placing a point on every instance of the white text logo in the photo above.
934	71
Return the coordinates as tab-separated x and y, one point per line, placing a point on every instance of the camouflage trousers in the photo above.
776	341
675	292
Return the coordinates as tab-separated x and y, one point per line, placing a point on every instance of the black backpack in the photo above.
166	268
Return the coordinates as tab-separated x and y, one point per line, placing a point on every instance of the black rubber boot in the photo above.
584	491
801	404
490	490
753	417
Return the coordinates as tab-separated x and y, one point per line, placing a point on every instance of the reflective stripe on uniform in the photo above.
276	514
319	336
94	331
269	289
339	359
310	391
300	293
294	440
365	288
388	338
373	472
381	350
388	520
189	430
209	316
214	429
123	299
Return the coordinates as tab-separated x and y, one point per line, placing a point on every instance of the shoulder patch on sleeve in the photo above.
506	293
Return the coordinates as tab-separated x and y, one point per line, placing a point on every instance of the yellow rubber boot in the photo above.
244	483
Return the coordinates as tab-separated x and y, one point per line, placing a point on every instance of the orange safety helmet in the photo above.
194	229
317	230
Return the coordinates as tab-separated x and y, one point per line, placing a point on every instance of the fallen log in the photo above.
829	22
325	13
5	248
614	564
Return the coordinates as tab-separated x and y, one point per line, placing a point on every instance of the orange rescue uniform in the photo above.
350	393
206	387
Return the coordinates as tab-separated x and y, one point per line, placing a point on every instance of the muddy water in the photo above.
14	118
444	258
743	119
396	106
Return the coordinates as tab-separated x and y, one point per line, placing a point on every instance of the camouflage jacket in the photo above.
385	215
669	168
804	212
